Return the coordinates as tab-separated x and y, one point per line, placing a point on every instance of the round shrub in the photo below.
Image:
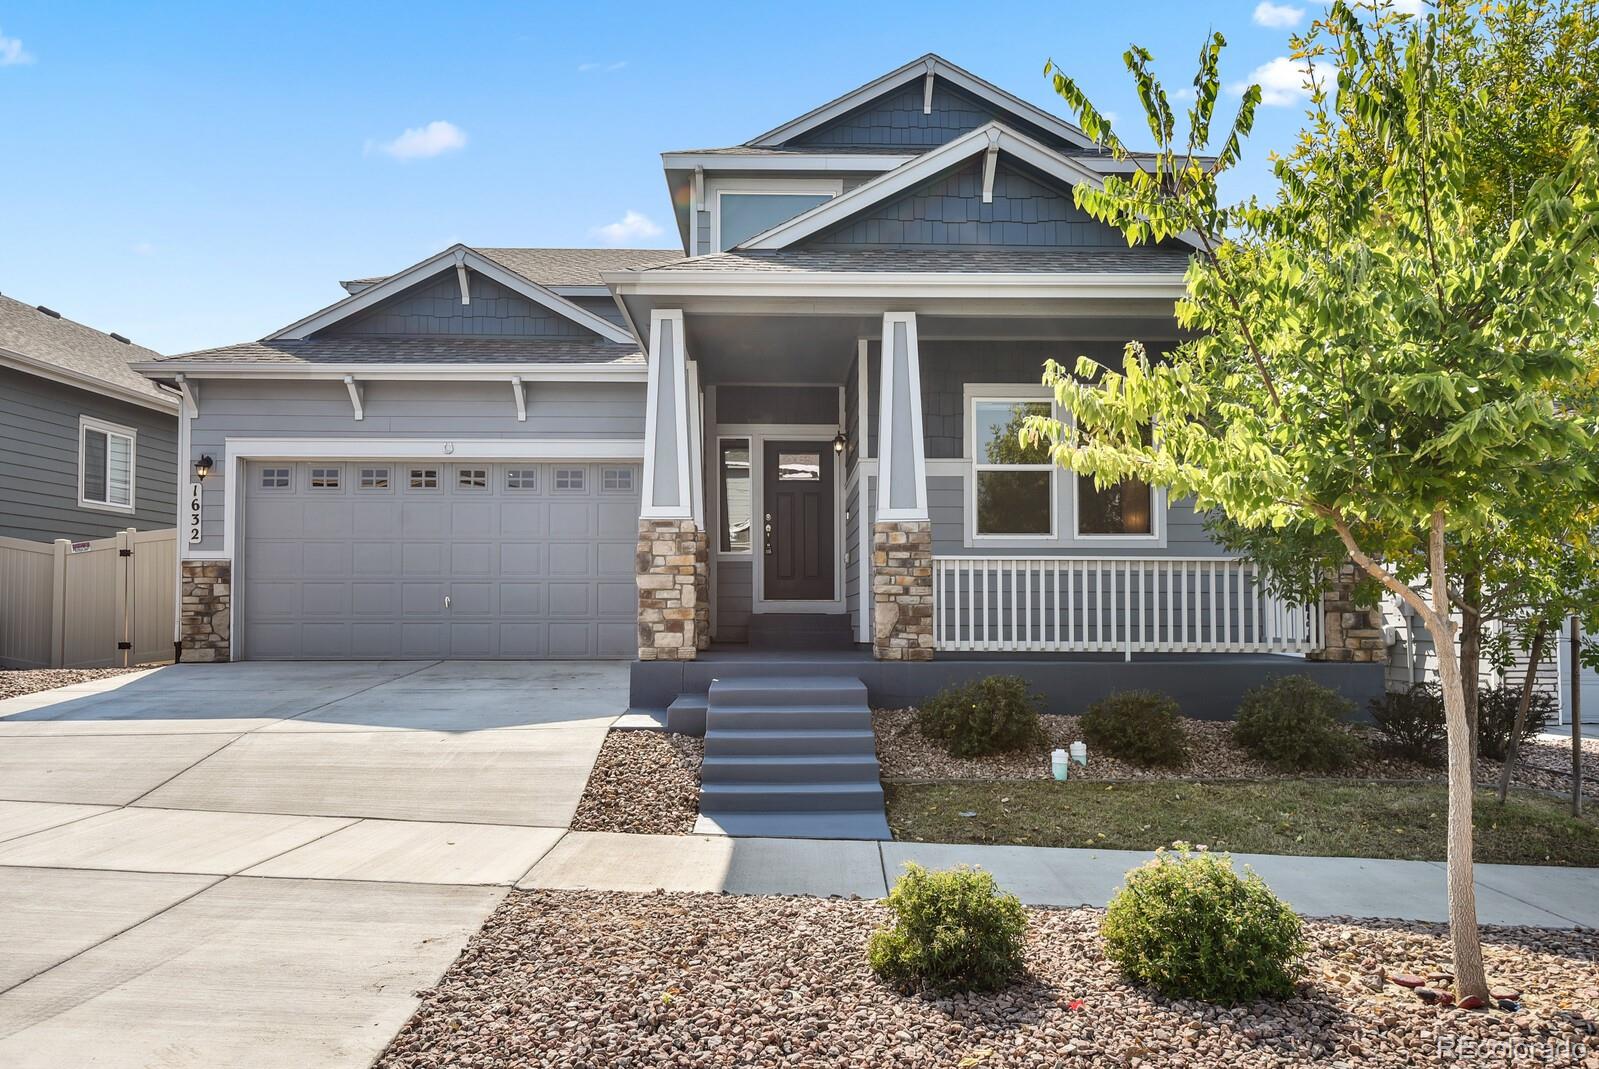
992	715
1496	718
953	931
1190	927
1141	726
1411	722
1295	723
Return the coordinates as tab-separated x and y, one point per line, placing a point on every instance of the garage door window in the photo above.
277	478
325	478
472	478
617	480
570	479
521	478
423	479
374	479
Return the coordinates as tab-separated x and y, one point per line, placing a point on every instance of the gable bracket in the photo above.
355	396
519	392
927	90
460	276
990	162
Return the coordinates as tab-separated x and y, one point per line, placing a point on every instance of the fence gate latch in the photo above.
124	645
124	552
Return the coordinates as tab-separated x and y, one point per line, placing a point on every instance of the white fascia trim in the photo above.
19	362
990	136
455	256
1160	285
402	372
885	425
712	162
920	67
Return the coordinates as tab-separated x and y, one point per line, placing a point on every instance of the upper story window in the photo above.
105	464
1013	484
743	208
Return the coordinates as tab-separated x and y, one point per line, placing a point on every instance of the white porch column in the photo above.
673	562
902	537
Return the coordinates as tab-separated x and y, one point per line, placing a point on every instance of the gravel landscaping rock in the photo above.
904	753
15	682
644	782
589	979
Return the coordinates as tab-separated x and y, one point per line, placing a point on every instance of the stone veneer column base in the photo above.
206	616
673	580
1349	633
902	590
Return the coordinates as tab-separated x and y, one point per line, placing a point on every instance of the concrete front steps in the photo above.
788	757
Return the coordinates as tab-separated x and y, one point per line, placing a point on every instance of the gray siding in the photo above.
734	590
445	410
949	212
434	307
604	307
776	404
39	462
895	120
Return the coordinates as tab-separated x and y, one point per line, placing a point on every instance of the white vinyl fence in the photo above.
98	604
1120	605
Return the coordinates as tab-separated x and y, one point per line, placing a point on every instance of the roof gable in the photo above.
460	263
906	118
433	307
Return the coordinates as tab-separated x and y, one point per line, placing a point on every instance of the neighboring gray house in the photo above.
793	432
88	446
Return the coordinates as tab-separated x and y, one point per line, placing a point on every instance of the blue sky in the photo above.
194	174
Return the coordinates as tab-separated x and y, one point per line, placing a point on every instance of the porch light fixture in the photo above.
840	443
202	467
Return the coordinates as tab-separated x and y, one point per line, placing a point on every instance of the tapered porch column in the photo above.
902	537
672	564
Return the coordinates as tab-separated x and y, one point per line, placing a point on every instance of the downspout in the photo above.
185	407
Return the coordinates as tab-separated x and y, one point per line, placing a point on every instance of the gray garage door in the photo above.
418	559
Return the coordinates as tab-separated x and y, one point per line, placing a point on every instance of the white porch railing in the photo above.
1121	605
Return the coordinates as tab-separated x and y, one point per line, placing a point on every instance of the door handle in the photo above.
768	529
446	601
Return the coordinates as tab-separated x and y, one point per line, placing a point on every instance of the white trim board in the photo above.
55	373
886	388
456	255
612	372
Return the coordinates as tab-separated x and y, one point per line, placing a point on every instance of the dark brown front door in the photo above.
798	521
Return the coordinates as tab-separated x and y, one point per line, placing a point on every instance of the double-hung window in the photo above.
106	459
1013	485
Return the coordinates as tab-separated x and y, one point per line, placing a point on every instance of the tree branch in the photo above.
1375	570
1243	324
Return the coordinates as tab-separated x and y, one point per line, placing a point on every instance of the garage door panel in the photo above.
534	566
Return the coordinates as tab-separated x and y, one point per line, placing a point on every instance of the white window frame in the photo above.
1157	521
90	423
338	474
461	470
756	187
992	393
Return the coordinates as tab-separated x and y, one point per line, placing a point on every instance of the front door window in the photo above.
798	522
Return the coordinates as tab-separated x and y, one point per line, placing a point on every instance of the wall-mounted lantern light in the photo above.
840	443
202	467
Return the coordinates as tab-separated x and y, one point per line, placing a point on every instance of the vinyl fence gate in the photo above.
104	603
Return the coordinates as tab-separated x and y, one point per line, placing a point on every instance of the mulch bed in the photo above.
904	753
599	979
643	782
15	682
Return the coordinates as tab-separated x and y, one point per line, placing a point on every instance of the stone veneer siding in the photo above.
674	612
1349	633
206	613
902	591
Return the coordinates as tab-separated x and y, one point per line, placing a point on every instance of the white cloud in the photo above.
1185	94
631	227
1282	83
142	248
1277	16
603	68
12	53
422	142
1410	7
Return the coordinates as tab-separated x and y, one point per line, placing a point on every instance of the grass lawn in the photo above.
1333	818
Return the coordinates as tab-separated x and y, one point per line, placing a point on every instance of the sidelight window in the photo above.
737	514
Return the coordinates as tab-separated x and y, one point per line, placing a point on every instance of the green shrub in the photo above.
953	931
1141	726
1296	724
1191	927
1411	722
986	716
1496	718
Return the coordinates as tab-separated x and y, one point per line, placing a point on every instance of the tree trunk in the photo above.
1471	658
1534	655
1470	977
1576	718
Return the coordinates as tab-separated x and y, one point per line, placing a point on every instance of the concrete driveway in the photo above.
259	863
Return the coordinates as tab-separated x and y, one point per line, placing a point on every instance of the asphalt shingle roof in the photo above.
380	349
82	351
939	260
566	267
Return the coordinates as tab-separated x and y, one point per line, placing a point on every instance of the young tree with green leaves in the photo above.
1370	361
